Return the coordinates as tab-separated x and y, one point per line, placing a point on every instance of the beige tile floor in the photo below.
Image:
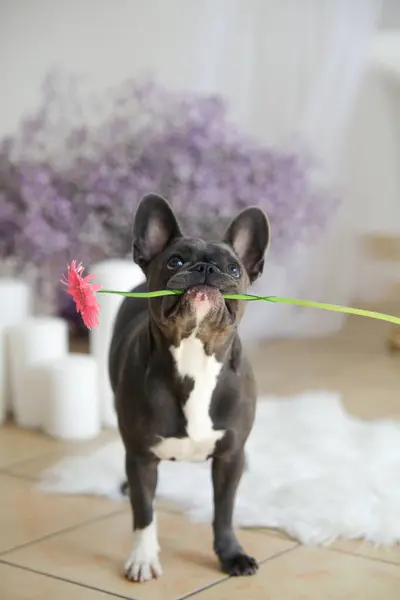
56	547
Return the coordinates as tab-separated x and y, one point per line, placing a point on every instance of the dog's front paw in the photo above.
143	563
239	565
139	568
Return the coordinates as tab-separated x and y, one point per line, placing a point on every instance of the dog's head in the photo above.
203	270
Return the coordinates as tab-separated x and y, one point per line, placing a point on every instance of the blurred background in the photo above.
216	105
292	105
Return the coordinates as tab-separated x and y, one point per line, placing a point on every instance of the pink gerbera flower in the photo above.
83	292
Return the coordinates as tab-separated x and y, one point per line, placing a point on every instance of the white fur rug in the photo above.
313	471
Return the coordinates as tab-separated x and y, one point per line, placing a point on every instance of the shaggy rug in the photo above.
313	471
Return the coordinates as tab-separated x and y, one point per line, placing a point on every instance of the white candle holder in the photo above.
33	342
3	403
120	275
71	401
15	306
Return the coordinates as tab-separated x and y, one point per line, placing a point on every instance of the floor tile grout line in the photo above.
363	556
61	531
227	578
296	546
261	531
45	455
63	579
36	479
204	589
18	475
18	463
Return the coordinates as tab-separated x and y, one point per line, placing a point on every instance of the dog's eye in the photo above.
175	262
234	270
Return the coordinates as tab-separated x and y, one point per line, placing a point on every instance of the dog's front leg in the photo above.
226	474
143	563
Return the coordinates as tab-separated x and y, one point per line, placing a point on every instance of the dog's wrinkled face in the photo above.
203	270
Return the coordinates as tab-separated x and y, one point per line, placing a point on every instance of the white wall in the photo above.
99	38
390	18
221	46
104	38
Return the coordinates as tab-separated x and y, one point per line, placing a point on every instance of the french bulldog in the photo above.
184	389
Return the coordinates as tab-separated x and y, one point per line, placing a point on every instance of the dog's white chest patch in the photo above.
192	361
186	449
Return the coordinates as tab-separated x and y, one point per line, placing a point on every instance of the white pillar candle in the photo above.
119	275
3	409
33	342
15	306
71	400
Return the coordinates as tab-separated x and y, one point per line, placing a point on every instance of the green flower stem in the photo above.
156	294
249	297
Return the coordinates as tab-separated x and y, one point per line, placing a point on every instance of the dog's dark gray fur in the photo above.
151	393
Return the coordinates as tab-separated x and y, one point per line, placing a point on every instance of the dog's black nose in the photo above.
205	268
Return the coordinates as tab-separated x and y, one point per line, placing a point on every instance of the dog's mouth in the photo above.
198	295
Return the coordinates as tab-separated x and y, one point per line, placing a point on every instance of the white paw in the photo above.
142	569
143	563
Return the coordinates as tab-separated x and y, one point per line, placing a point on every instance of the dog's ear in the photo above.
155	227
248	235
